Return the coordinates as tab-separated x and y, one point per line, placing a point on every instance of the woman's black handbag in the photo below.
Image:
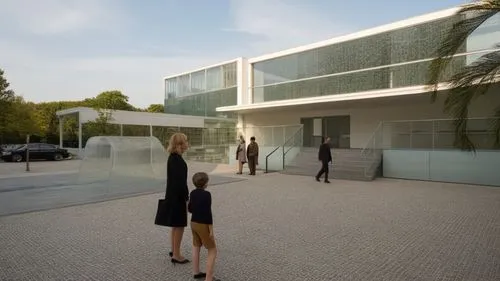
162	213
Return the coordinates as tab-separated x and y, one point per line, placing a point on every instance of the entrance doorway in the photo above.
338	128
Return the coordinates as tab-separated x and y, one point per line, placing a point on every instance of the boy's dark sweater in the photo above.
200	206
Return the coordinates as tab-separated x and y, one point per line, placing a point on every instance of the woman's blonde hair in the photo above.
176	142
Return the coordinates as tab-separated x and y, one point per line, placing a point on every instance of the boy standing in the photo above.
200	206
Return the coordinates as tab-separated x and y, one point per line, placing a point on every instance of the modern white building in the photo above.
366	91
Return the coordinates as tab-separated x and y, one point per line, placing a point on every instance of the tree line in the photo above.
19	117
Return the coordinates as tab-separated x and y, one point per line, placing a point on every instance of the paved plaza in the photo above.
272	227
60	185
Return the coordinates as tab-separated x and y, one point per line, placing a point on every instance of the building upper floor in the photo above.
384	58
201	91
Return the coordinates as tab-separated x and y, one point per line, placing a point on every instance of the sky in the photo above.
72	49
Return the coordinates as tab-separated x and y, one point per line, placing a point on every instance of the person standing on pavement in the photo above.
241	155
253	156
177	194
325	156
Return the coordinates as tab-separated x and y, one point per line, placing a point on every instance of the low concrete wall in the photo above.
443	165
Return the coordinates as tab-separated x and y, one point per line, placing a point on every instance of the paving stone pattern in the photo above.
272	227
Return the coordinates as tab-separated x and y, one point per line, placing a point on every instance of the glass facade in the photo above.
200	93
276	79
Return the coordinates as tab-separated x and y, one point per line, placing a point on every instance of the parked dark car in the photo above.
37	151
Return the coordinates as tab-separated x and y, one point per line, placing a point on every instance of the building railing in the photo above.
269	135
296	141
372	150
437	134
268	155
280	151
431	134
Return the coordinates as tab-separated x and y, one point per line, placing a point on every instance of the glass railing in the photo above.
275	160
292	146
392	76
373	152
435	134
269	136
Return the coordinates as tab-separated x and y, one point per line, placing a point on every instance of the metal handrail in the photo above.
290	148
372	136
283	147
267	156
292	137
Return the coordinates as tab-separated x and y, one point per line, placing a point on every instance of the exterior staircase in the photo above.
348	164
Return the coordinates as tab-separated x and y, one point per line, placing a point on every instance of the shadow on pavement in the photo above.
36	193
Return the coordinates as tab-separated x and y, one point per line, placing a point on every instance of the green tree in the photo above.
6	109
472	80
156	108
113	100
19	121
6	94
48	123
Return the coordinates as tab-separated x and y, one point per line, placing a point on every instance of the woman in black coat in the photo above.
177	194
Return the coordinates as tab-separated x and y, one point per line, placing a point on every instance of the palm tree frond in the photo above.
484	71
455	40
496	127
481	5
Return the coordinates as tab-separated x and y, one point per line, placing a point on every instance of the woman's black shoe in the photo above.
174	261
200	275
170	254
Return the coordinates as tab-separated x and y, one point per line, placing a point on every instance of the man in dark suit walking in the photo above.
325	156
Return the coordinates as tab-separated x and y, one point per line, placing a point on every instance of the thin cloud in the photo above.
271	25
139	77
50	17
282	24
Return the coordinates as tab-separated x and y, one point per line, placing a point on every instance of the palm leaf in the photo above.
455	40
473	81
496	127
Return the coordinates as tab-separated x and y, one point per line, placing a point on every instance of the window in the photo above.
214	78
45	146
198	82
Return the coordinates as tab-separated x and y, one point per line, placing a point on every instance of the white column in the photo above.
61	135
150	144
242	81
79	135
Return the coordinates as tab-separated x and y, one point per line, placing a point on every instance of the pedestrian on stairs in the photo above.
325	157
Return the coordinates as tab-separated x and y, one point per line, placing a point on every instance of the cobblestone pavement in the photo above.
273	227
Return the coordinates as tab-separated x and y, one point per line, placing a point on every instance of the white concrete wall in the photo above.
242	81
367	114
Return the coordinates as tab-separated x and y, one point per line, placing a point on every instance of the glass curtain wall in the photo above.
276	79
200	93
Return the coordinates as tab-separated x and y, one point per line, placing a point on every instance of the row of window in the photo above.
402	45
216	78
203	104
386	78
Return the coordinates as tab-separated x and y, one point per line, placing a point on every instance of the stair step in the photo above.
347	164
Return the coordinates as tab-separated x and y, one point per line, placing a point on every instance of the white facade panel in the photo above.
366	115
